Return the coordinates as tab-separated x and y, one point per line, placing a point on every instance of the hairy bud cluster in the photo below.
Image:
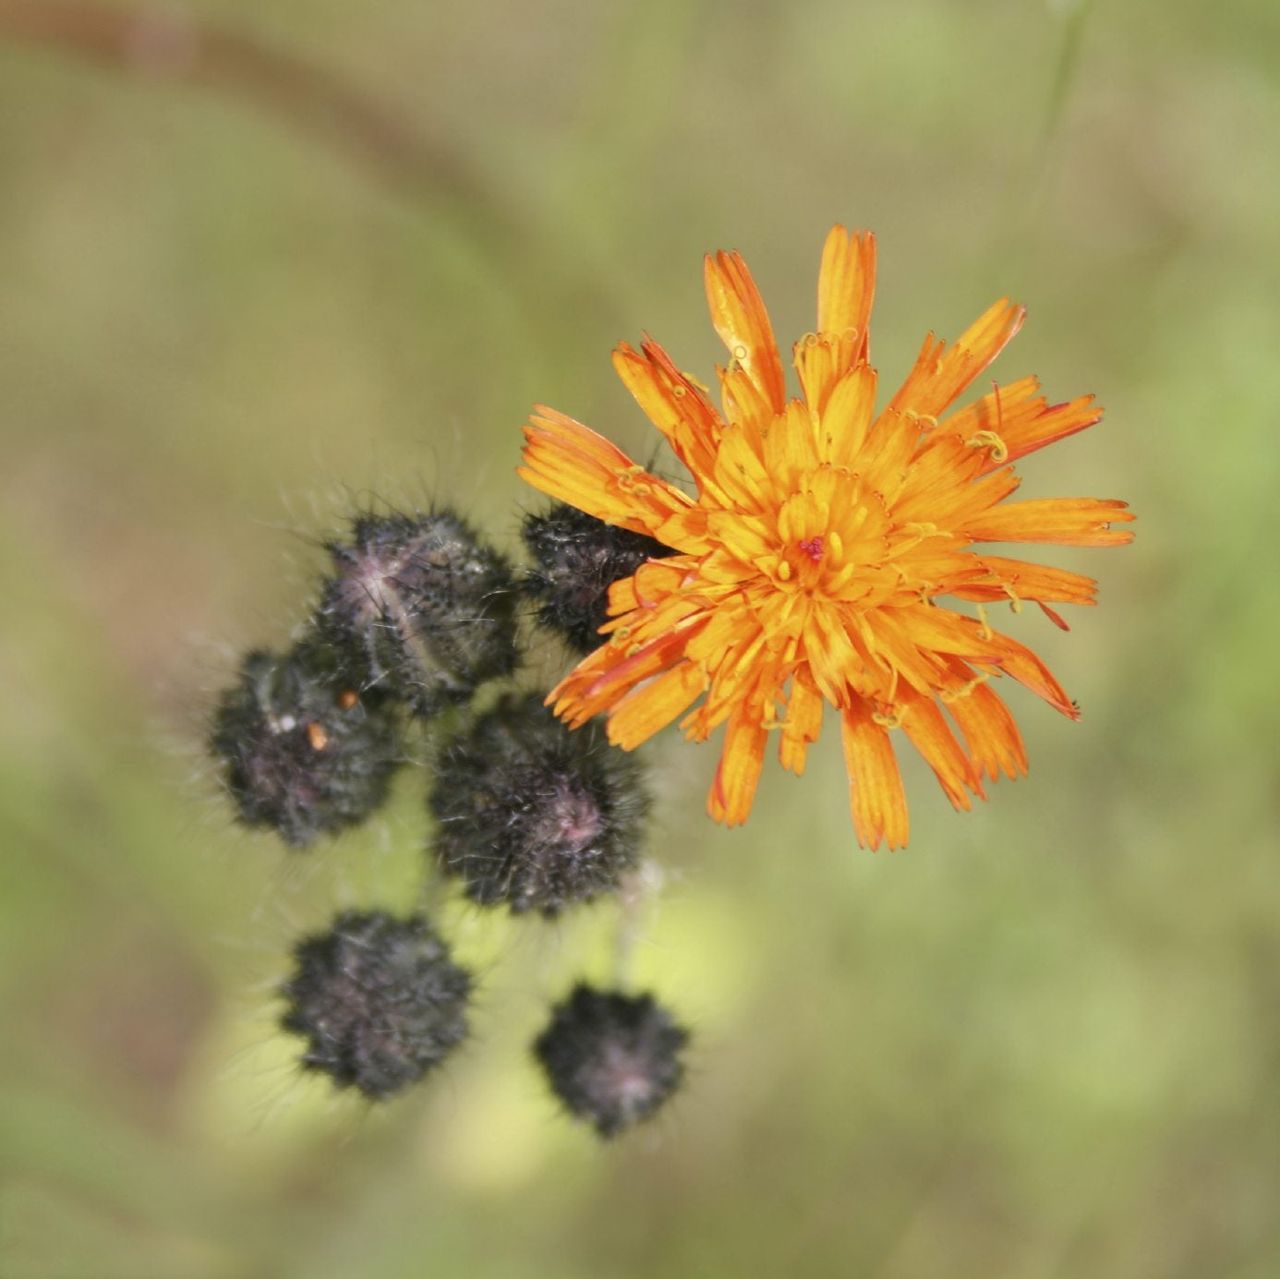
416	614
302	752
534	815
378	1001
422	607
576	559
612	1059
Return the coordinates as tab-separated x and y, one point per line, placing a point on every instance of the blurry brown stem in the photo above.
165	44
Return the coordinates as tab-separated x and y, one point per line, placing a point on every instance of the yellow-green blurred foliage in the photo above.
1043	1041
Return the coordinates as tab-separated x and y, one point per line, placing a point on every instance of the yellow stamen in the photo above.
950	695
984	628
989	440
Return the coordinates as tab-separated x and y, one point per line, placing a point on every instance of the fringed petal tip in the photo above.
739	317
876	797
847	284
733	789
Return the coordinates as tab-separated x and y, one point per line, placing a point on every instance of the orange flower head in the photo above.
811	565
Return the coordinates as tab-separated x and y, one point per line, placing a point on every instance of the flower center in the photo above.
812	547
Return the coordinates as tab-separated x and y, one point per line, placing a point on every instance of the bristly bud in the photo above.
534	814
612	1059
302	751
422	607
577	558
378	1001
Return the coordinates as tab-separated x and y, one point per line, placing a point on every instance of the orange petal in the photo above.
1005	408
790	452
1023	665
744	403
739	317
923	723
821	360
672	402
1067	521
940	375
990	731
876	797
885	460
650	708
937	487
650	584
571	462
1053	423
803	722
1020	580
846	416
847	286
942	630
605	676
1022	420
734	787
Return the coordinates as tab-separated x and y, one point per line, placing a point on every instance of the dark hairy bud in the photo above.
422	607
612	1059
302	752
576	559
534	815
378	1001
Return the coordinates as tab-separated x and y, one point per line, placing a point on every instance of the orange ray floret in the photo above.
813	566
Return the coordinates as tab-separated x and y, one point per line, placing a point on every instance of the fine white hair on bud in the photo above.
534	815
302	752
612	1059
422	607
378	1000
576	559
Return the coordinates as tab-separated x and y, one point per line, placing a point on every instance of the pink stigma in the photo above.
812	547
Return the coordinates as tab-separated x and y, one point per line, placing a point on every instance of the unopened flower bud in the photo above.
611	1058
378	1001
422	607
576	559
302	752
532	814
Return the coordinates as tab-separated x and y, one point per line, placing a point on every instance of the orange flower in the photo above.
810	564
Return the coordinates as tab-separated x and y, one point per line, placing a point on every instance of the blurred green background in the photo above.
248	280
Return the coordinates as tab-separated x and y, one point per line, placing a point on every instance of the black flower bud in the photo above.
612	1059
378	1001
422	607
303	752
576	559
533	814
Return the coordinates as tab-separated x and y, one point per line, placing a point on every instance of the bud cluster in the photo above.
416	615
